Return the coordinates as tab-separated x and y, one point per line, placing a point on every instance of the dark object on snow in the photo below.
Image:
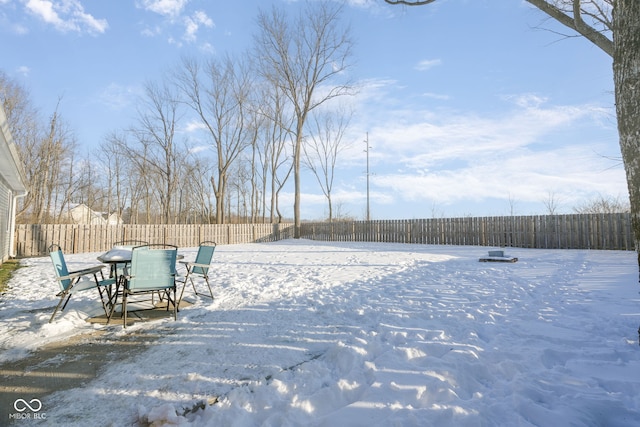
498	256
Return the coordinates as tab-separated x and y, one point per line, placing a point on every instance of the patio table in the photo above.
119	255
116	255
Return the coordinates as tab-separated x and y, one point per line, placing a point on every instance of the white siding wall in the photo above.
5	211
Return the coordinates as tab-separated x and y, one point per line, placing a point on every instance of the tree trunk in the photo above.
626	78
296	178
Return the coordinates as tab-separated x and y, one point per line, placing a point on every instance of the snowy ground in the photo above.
357	334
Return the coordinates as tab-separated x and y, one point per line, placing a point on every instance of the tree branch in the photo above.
576	23
410	3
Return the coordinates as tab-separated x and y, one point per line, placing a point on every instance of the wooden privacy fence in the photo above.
580	231
583	231
34	239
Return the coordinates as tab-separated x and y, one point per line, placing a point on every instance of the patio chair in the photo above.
79	280
152	269
117	269
199	269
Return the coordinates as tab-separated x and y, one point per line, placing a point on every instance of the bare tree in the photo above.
52	174
25	128
114	166
304	58
321	152
196	190
602	204
219	96
612	26
340	212
85	184
55	176
140	206
512	205
436	211
552	203
131	184
277	136
255	123
240	182
158	155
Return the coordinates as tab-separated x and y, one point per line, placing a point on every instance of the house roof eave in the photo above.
11	166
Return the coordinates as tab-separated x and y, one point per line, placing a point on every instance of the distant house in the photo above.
12	187
114	219
83	214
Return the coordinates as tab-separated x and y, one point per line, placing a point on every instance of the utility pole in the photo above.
366	141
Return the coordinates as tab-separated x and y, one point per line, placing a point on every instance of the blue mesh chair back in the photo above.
60	267
152	269
205	255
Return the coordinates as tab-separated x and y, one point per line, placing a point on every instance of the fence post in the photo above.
74	240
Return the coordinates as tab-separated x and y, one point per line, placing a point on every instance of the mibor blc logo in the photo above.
27	410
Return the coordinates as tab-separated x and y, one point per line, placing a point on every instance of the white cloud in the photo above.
168	8
362	3
427	64
151	31
24	70
174	13
194	22
207	48
19	28
439	96
527	100
118	97
8	21
528	177
66	15
44	10
199	149
194	126
94	25
521	150
427	138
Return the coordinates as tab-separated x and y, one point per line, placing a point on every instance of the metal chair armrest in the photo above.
88	270
194	264
70	276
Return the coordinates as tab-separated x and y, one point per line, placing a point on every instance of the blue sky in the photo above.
470	107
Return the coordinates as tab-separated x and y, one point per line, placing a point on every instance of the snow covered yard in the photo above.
355	334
